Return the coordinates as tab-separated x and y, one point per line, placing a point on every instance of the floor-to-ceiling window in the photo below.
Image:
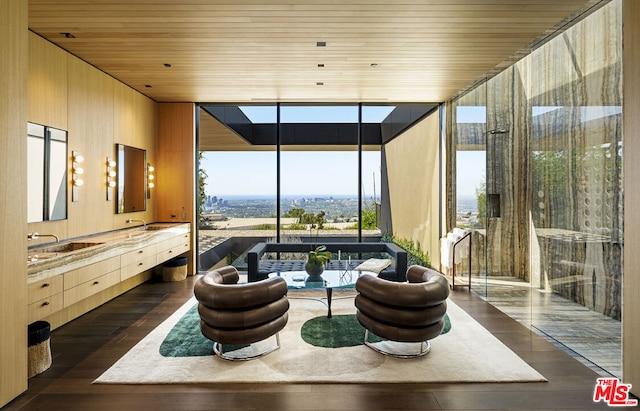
468	130
330	172
292	172
554	188
319	171
237	182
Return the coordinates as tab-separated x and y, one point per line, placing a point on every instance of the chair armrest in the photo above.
400	256
393	249
253	260
259	248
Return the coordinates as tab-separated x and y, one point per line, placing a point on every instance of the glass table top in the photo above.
328	279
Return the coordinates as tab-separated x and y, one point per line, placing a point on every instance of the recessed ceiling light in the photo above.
320	65
319	83
167	65
321	44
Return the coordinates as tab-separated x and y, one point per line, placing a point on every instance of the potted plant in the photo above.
316	260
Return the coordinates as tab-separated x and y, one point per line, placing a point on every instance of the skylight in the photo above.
316	114
260	114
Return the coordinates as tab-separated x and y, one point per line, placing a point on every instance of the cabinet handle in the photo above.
44	304
170	251
45	285
140	263
96	282
140	252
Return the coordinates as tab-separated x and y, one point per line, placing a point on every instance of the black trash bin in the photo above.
39	355
175	269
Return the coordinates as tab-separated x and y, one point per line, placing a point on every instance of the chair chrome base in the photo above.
425	347
218	350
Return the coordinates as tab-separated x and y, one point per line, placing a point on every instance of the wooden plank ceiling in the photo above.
251	51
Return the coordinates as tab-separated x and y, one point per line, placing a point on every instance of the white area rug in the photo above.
467	353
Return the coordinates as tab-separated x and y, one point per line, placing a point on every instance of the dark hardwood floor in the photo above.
86	347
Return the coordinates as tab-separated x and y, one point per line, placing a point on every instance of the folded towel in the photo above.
447	256
375	265
460	232
446	252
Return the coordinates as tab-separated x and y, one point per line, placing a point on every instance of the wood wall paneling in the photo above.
631	125
91	105
47	83
13	191
175	171
98	111
135	125
48	105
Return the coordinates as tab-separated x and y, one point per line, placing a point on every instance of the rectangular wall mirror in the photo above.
46	173
132	179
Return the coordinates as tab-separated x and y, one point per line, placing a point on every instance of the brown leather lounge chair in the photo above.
410	312
240	314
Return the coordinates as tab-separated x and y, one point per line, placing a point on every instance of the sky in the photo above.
471	172
316	114
303	173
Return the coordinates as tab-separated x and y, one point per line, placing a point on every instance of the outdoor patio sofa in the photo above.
258	268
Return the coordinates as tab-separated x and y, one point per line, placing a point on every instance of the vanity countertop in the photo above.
52	259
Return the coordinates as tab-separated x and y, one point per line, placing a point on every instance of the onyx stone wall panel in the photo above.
576	155
508	128
553	140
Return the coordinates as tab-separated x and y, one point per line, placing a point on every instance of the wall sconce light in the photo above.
111	177
77	172
150	179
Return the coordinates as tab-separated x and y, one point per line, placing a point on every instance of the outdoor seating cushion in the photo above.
375	265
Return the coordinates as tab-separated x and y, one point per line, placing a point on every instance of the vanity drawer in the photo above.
138	267
172	252
45	288
173	242
82	291
45	307
138	255
79	276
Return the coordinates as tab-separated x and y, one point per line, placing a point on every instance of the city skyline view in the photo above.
254	207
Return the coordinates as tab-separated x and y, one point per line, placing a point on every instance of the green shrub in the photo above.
297	226
264	227
415	255
369	218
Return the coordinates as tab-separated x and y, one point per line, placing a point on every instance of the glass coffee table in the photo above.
329	280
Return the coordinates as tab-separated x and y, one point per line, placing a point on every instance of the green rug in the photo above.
342	331
186	340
